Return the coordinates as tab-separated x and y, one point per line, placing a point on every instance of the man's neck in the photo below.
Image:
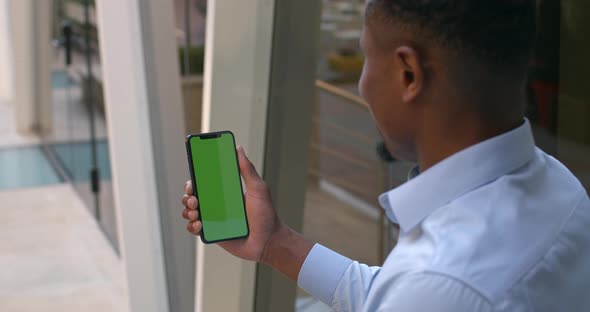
441	141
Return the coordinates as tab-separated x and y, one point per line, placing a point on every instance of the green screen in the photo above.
219	187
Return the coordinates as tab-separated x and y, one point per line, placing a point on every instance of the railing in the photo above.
386	241
334	90
355	137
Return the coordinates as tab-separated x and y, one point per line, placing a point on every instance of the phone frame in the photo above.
214	135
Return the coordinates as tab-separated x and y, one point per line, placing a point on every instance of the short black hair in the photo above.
501	33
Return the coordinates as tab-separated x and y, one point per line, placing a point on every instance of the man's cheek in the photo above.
369	90
362	85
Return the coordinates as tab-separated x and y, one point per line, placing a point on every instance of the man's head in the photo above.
437	61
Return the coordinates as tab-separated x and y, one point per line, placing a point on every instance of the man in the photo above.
488	221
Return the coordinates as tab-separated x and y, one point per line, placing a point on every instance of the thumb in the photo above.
247	169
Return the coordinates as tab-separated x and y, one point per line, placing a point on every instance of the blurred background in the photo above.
97	96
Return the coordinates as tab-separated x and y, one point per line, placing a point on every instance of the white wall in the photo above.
30	33
5	53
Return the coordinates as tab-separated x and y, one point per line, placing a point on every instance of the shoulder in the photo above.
493	236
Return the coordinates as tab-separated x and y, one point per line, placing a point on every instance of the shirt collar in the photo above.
410	203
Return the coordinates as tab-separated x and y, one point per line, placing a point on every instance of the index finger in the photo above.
188	188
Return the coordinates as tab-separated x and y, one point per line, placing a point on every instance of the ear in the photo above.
411	72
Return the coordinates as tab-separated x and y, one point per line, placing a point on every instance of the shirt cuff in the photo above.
321	273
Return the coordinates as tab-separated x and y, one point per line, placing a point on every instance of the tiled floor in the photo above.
53	255
25	167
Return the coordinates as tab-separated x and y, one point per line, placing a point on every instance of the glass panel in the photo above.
190	35
78	144
559	100
345	173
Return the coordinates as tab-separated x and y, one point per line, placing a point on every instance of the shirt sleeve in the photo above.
336	280
429	292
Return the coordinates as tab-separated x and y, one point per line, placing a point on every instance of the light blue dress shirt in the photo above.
499	226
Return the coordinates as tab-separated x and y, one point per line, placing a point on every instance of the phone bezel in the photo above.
214	135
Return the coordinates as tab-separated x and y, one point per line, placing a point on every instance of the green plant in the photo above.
83	2
196	60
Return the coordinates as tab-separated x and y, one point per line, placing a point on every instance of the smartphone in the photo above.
213	163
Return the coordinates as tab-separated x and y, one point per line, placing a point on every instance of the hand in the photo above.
262	218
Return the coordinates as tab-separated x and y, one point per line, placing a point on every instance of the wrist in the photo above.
278	236
285	251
